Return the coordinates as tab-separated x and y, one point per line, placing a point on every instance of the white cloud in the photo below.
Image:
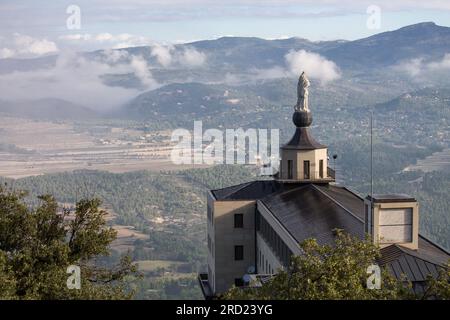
418	66
142	71
163	54
411	67
316	66
168	55
24	46
104	37
444	64
6	53
114	56
79	80
76	37
192	58
103	41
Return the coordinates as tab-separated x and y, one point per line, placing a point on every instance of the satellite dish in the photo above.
251	269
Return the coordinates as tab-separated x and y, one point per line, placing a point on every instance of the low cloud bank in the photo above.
418	66
23	46
77	79
316	67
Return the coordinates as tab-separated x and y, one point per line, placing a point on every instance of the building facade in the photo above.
254	228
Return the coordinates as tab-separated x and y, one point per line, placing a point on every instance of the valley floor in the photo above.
31	147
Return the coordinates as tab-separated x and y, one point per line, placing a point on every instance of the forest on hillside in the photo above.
167	209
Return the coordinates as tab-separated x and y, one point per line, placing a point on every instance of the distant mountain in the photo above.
250	52
201	92
48	109
423	40
240	54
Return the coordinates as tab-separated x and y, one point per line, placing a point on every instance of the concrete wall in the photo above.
386	236
298	156
225	237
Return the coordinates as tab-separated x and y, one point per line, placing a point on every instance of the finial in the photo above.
302	93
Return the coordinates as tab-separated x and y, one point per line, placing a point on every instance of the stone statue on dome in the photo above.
302	93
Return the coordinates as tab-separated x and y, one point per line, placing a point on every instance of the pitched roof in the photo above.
416	265
252	190
313	211
308	212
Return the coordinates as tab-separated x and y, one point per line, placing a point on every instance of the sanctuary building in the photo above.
254	228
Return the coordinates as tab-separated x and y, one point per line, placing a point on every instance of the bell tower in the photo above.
303	158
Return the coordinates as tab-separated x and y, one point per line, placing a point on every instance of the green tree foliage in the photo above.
37	245
337	272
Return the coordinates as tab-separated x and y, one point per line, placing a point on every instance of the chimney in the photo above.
393	219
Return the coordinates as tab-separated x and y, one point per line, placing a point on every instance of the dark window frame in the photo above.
290	165
306	169
238	220
321	168
238	282
238	253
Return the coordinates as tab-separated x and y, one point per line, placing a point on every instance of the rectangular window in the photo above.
306	169
290	169
321	168
238	253
395	225
238	220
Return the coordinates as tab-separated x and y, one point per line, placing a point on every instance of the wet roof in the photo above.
252	190
309	212
416	265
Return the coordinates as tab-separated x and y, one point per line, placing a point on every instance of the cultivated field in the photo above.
41	147
439	161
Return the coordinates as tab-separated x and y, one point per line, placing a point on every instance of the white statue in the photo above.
302	93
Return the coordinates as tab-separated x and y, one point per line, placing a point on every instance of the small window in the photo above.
290	169
306	169
238	253
238	282
321	168
238	220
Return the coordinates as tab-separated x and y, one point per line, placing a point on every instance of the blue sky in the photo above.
142	21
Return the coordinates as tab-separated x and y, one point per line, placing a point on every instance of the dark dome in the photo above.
302	118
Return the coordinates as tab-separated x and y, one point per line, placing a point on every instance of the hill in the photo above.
423	40
46	109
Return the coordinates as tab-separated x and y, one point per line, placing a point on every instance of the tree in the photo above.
439	287
336	271
37	245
